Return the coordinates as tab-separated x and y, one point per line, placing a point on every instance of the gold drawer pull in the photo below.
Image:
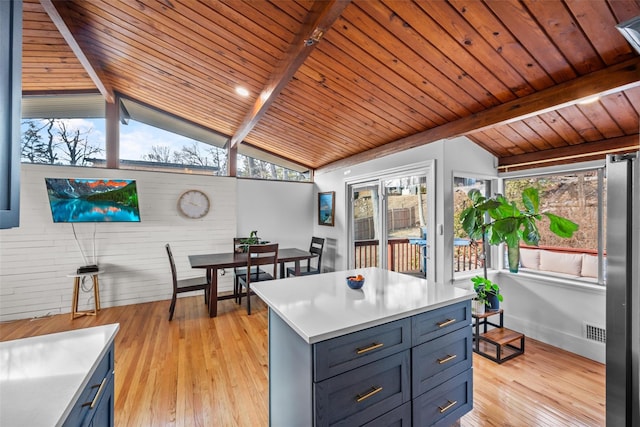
92	404
374	390
373	346
446	323
449	358
449	406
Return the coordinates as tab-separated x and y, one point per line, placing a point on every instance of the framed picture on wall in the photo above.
326	208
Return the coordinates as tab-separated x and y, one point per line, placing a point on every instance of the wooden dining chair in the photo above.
316	247
239	245
258	255
185	285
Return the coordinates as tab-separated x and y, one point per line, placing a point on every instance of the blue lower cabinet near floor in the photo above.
95	404
399	417
446	403
364	393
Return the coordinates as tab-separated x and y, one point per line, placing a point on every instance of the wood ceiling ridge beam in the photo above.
571	152
616	78
107	92
319	20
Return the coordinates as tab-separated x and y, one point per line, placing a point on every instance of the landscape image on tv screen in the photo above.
93	200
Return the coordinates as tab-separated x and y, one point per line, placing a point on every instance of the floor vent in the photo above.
595	333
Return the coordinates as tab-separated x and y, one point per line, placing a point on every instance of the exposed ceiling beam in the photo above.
321	17
107	92
571	153
616	78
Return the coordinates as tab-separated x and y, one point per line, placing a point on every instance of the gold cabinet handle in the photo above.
92	404
373	346
374	390
449	358
446	322
447	407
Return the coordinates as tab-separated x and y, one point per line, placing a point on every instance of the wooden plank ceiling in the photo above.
378	76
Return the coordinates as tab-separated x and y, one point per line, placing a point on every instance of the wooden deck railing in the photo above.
466	256
401	255
406	257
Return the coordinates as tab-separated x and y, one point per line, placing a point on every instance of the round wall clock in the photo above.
193	204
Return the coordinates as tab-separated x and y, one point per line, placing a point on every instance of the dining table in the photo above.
216	261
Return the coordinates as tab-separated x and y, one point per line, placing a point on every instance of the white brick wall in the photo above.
36	258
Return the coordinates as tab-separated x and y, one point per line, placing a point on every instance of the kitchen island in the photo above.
397	350
61	379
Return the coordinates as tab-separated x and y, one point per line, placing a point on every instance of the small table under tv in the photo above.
77	280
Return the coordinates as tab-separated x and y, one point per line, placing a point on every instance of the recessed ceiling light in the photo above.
242	91
589	100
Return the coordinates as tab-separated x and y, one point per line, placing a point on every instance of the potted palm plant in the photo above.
495	220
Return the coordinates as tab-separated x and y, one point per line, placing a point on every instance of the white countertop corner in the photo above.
42	377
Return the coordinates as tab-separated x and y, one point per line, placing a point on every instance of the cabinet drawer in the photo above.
341	354
365	393
446	403
433	324
101	376
437	361
399	417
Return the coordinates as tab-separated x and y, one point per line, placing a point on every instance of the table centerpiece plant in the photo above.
253	239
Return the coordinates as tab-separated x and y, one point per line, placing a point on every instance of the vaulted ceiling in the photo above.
337	82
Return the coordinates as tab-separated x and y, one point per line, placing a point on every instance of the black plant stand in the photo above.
504	341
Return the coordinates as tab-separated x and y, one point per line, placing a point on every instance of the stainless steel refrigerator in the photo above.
623	290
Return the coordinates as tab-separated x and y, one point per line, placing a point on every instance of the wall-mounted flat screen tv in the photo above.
93	200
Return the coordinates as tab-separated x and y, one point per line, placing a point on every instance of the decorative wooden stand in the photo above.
500	337
76	294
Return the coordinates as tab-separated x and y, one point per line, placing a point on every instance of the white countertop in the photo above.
42	377
322	306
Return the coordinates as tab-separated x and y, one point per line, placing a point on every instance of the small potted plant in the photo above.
253	239
488	296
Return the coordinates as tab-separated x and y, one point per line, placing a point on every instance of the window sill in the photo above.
550	279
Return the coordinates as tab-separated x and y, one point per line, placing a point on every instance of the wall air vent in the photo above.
595	333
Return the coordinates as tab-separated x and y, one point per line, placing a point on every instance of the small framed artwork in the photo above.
326	208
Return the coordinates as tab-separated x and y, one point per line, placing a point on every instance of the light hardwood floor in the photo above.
197	371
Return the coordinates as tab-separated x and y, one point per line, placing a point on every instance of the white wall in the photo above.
36	257
280	211
555	312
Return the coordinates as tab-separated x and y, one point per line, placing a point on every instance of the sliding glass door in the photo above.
389	222
406	224
365	225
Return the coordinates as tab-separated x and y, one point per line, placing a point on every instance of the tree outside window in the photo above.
57	141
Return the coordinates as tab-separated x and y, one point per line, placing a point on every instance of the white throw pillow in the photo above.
560	262
589	266
530	258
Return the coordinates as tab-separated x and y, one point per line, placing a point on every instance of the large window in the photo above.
250	167
579	196
63	130
147	147
151	139
467	254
